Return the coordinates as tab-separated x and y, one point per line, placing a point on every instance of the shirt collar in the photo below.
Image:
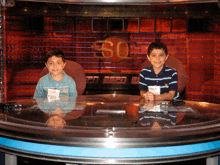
161	72
52	80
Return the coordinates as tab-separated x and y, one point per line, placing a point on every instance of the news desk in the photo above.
110	129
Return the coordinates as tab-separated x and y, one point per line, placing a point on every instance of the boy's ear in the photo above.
167	56
46	65
64	65
148	57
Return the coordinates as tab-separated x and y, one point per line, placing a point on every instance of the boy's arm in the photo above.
142	86
150	96
142	93
39	92
72	86
167	96
147	95
172	87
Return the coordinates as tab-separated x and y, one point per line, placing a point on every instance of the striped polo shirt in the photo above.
164	119
166	79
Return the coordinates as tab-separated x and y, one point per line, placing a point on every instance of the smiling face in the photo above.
157	59
55	65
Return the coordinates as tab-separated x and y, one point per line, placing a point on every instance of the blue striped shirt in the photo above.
166	79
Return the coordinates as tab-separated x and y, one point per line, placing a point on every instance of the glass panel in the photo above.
83	24
163	25
179	25
131	25
99	25
115	25
147	25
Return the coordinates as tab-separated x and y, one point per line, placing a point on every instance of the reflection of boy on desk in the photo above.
159	114
153	115
60	110
158	82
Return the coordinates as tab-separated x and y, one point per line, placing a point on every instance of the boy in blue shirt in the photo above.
56	83
158	82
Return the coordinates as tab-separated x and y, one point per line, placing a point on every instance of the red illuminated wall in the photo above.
26	45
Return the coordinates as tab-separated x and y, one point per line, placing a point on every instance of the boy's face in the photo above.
157	58
56	122
55	65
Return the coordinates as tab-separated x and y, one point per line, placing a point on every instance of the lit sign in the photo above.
115	80
92	79
114	49
135	80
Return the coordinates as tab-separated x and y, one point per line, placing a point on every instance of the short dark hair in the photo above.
157	45
54	52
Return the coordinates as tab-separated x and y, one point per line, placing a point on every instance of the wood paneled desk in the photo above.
110	129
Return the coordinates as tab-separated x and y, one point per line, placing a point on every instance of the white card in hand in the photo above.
154	89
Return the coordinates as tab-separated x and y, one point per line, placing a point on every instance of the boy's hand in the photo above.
148	96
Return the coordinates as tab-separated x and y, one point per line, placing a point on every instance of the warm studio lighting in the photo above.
25	9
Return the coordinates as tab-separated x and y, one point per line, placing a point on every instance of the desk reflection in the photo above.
107	111
124	123
136	112
59	111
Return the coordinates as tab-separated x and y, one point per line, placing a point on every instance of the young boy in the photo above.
56	83
158	82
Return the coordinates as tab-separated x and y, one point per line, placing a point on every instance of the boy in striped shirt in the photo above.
158	82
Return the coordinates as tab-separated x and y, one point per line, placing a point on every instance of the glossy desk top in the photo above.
119	113
112	121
